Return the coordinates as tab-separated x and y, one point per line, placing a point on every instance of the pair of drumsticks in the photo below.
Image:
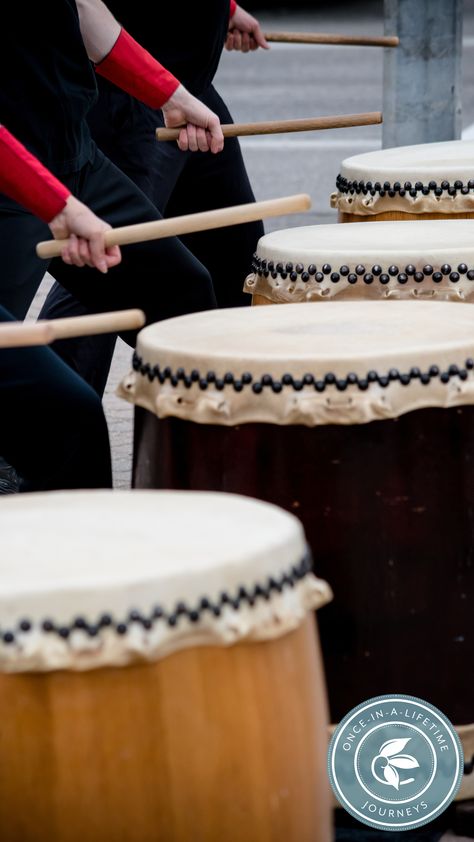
16	334
260	210
42	333
284	126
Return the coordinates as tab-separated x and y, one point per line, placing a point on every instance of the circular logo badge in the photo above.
395	762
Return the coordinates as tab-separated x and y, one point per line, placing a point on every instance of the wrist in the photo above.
233	8
178	99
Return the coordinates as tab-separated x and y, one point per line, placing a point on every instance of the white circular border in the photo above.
373	822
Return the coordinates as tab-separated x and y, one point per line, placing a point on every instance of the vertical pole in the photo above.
422	77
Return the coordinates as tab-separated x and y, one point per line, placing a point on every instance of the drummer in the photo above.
47	89
45	101
52	425
176	182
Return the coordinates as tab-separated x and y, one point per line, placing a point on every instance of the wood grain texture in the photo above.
309	124
332	38
209	744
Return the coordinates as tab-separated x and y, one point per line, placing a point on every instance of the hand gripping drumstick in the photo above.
329	38
22	334
312	124
178	225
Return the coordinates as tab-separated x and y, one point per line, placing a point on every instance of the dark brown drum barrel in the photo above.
358	418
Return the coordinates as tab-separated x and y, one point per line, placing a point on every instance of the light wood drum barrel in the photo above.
428	260
160	677
427	181
359	418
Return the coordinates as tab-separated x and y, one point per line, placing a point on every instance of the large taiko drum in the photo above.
428	260
160	676
359	418
427	181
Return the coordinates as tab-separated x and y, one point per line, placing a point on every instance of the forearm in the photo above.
25	180
121	60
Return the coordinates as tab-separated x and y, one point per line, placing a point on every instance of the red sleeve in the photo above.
25	180
132	68
233	7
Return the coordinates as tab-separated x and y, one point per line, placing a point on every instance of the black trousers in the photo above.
49	426
177	183
52	426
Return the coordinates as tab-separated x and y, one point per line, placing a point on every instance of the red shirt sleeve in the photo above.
233	6
27	181
132	68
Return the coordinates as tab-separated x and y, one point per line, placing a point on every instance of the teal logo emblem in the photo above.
395	762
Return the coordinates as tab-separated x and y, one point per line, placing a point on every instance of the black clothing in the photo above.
47	87
187	38
178	183
52	426
48	83
161	277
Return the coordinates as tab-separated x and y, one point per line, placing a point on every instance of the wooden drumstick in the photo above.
22	334
332	38
179	225
112	322
312	124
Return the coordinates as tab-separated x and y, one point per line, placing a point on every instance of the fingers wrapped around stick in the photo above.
177	226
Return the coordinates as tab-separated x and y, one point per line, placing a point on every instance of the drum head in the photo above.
427	178
425	260
347	362
97	578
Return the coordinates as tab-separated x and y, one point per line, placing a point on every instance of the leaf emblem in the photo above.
391	776
404	761
392	747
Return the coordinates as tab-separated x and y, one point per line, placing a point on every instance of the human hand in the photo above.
202	131
85	233
245	33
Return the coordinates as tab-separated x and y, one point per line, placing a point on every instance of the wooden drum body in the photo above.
372	449
172	717
427	181
429	260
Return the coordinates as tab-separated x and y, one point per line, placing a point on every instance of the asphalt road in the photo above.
297	81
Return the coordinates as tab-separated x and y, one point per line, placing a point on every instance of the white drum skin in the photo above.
149	657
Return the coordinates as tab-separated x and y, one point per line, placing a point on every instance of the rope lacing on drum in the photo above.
319	384
249	596
397	188
360	273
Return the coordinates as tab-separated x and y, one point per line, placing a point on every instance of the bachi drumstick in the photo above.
22	334
179	225
311	124
330	38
